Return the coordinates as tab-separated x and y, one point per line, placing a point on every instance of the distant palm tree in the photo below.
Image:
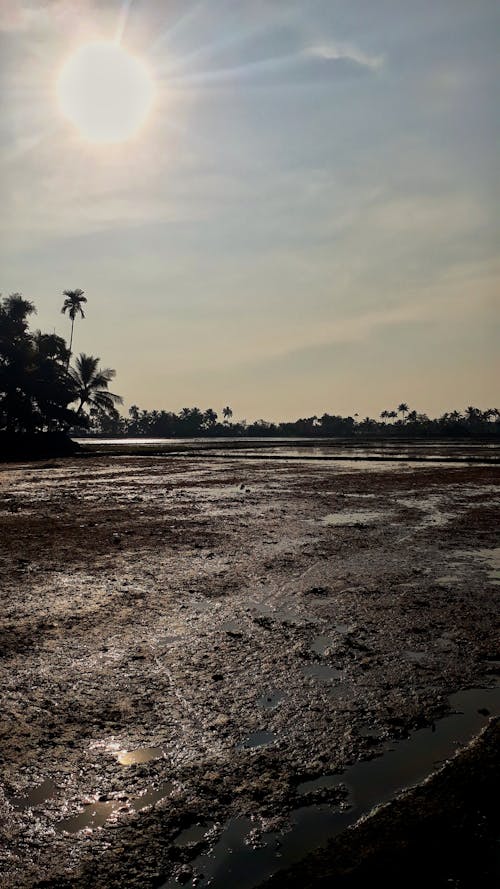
403	409
384	415
91	386
472	414
227	413
73	306
209	418
392	415
491	413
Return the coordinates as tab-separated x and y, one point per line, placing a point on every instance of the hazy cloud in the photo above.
334	52
16	17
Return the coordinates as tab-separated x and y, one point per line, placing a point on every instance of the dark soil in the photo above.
153	602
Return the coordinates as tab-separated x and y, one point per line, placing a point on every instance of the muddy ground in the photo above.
193	608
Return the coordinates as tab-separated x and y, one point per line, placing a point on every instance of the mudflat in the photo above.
186	641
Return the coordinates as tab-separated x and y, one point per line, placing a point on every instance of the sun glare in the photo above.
106	92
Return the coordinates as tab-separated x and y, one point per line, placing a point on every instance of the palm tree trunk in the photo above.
70	344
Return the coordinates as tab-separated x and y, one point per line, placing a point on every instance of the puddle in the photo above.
321	644
96	814
361	517
271	699
325	782
93	815
369	731
256	739
283	615
37	795
140	755
152	796
233	861
321	671
192	835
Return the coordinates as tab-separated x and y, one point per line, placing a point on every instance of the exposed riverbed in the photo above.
188	643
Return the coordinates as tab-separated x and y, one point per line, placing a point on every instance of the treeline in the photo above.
42	390
402	422
39	390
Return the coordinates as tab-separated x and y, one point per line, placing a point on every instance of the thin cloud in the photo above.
14	16
335	52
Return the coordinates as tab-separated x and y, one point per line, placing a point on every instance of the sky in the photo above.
305	223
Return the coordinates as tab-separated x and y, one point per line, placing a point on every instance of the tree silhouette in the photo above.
34	387
384	415
209	419
73	306
227	413
403	409
91	386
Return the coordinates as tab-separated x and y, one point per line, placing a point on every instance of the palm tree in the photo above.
227	413
384	415
91	386
73	305
403	409
209	418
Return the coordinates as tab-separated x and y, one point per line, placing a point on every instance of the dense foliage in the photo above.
193	422
38	390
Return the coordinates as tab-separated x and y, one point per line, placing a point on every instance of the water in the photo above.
97	813
94	815
140	755
271	699
321	671
234	862
193	835
324	782
152	796
256	739
305	448
37	795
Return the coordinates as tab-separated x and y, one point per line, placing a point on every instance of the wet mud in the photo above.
188	642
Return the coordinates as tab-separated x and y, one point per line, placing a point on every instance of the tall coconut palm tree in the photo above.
73	306
403	409
227	413
91	386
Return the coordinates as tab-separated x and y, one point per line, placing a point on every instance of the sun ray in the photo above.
123	16
235	38
170	31
225	75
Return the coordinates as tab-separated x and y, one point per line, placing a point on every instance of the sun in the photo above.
106	92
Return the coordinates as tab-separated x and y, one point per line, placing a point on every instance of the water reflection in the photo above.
140	755
235	862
